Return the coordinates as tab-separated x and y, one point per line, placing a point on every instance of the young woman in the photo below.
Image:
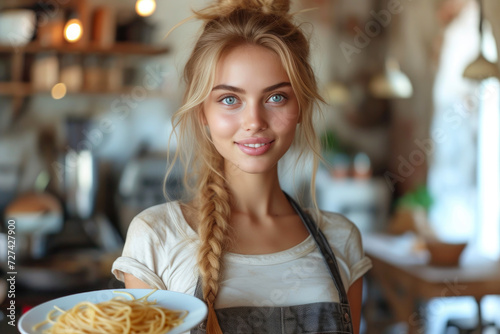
260	262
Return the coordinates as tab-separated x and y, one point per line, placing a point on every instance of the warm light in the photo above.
58	91
73	30
145	7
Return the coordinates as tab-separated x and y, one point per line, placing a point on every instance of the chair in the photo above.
472	326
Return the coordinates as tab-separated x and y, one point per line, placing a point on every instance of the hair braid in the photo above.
214	216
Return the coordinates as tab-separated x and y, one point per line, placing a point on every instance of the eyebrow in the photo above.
239	90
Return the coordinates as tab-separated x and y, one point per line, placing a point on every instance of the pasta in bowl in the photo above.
116	310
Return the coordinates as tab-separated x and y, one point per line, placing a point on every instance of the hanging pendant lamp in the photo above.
392	83
481	68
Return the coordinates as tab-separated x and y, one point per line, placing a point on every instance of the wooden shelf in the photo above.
122	48
8	4
20	56
16	89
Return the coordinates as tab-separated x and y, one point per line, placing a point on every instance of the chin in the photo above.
255	168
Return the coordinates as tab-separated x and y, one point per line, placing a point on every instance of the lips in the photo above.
255	146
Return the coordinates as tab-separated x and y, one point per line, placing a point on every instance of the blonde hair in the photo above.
228	24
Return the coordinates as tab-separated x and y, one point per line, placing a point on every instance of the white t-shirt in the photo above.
161	248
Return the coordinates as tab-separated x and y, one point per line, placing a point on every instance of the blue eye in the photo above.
229	100
276	98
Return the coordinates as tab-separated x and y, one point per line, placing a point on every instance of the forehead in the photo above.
250	66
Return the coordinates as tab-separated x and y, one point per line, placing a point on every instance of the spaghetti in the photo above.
118	315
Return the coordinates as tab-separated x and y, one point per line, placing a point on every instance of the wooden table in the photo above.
406	278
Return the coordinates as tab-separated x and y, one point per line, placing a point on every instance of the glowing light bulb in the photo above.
145	7
73	30
58	91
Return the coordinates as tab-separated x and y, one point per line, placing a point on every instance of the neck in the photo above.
257	194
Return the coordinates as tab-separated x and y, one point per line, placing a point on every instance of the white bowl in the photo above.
196	308
17	26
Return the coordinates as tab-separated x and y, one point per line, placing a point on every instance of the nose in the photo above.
254	117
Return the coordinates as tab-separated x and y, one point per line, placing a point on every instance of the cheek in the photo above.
222	126
285	121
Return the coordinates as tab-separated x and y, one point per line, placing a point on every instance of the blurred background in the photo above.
410	138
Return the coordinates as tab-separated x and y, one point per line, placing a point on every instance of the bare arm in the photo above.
354	295
132	282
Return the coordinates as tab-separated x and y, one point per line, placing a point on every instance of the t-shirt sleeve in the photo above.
358	262
142	255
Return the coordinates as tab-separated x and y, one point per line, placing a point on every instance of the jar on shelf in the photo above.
44	71
362	166
113	73
71	72
93	74
50	29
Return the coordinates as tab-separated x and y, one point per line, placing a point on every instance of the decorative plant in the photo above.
329	142
411	214
419	198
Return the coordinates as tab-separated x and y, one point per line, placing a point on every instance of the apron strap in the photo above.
198	291
324	248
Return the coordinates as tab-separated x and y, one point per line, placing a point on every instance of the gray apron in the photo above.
314	318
